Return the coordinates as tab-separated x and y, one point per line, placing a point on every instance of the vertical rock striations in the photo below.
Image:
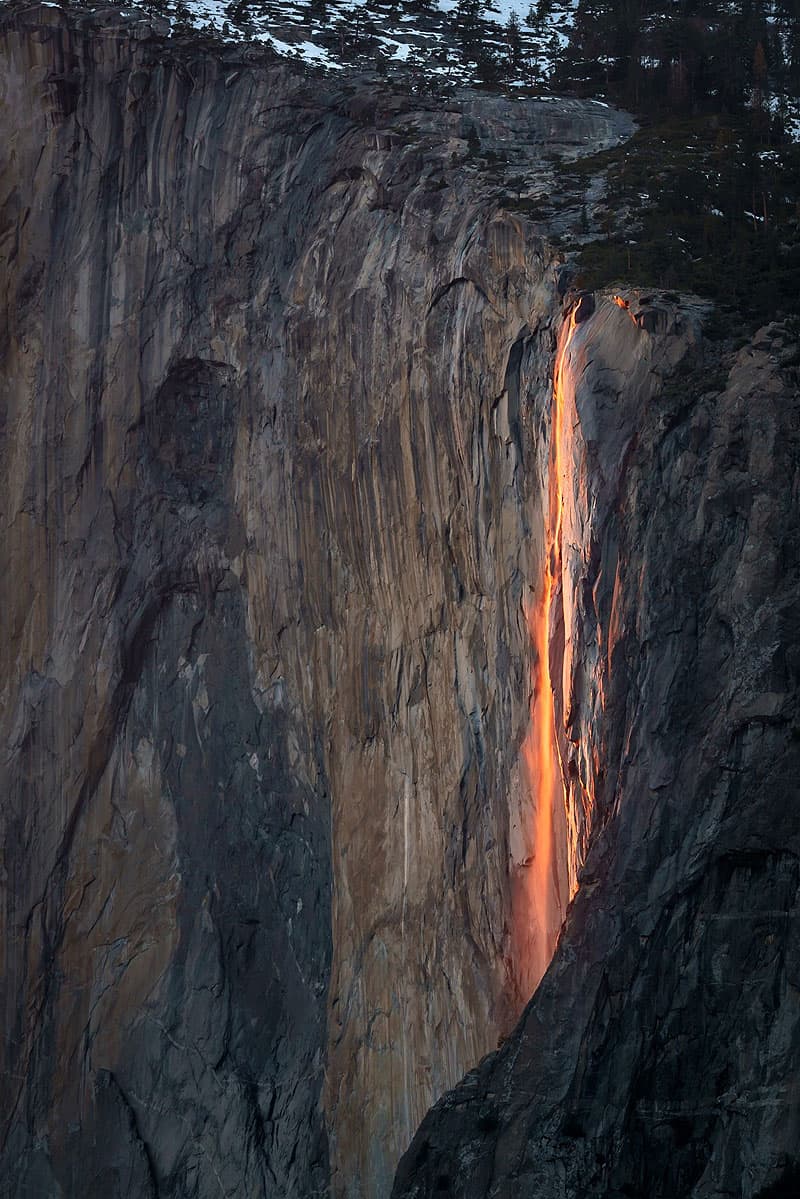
271	521
660	1055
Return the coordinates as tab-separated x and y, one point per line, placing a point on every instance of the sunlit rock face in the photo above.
660	1055
276	379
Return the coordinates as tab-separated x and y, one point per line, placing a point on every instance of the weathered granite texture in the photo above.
274	377
661	1055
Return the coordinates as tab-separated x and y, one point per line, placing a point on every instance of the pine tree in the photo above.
759	105
513	35
318	11
469	29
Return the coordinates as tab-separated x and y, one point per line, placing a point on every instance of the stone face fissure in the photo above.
268	507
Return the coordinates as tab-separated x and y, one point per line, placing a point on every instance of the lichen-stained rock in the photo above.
660	1056
270	511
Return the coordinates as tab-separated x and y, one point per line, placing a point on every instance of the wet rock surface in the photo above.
270	511
660	1055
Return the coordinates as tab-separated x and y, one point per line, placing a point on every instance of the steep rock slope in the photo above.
660	1055
270	518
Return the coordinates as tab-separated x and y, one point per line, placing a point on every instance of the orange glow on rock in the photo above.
546	875
625	305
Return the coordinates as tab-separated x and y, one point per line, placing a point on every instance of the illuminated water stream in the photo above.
546	882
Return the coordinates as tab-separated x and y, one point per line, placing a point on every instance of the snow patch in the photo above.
330	34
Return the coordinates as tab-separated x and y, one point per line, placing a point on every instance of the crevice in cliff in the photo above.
107	1080
506	419
461	281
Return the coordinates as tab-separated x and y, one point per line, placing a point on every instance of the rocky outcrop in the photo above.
660	1055
271	514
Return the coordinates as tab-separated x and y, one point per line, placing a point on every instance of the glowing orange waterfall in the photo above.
546	874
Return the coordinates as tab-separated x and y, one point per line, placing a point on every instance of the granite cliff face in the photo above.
275	376
277	476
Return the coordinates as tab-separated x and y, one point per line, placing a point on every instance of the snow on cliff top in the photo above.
391	35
